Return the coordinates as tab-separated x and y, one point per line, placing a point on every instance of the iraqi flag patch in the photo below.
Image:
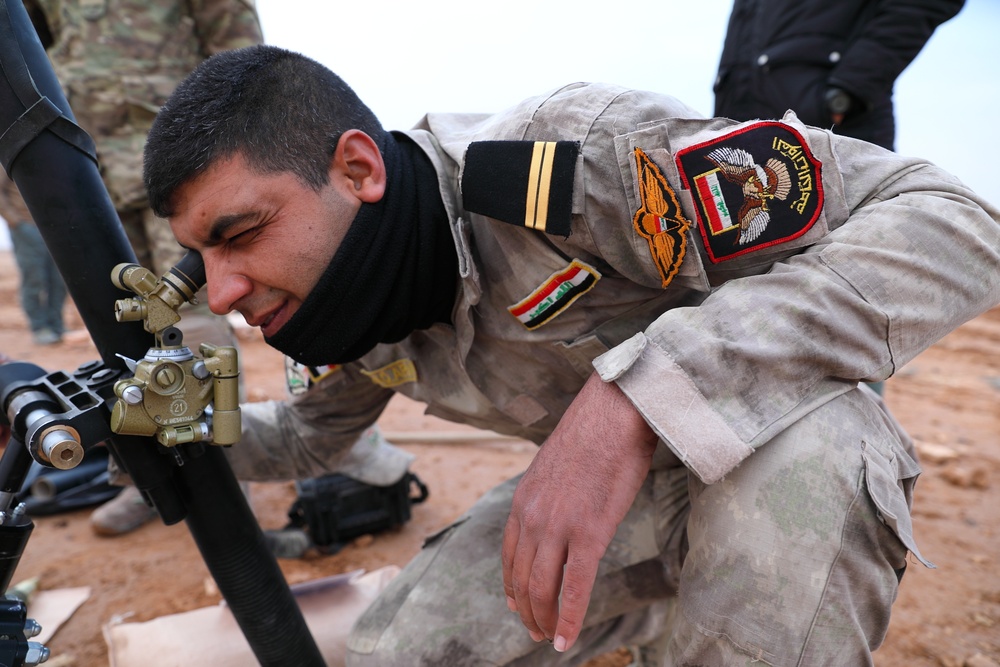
555	295
301	378
754	188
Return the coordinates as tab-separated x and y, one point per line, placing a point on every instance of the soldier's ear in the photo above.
357	163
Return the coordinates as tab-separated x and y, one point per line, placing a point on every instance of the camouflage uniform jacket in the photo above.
118	61
730	278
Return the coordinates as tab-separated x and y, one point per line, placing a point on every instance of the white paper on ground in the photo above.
51	609
210	636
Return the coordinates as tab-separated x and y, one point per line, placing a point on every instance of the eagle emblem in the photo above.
755	187
760	184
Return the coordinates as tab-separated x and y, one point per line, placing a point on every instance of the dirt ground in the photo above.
947	398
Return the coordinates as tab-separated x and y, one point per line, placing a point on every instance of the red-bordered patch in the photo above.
757	187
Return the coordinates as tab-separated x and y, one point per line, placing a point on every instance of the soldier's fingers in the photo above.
520	582
511	532
578	583
544	584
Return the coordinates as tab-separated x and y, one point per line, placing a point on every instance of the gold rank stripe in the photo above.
536	209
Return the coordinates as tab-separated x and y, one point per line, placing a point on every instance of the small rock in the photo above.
980	660
983	620
932	453
364	541
257	394
967	478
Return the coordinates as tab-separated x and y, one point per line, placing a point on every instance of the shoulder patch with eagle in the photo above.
754	188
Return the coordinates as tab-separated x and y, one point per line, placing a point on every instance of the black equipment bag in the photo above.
335	509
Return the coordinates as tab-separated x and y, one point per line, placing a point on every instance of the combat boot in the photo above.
122	514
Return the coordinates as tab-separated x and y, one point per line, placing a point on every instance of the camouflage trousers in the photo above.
793	559
42	290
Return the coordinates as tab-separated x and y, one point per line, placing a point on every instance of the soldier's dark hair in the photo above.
280	110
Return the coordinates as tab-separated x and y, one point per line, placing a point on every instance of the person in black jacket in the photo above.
833	63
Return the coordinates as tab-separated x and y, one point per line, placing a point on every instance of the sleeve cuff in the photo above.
673	407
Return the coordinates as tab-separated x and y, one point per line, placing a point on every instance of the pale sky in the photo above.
406	58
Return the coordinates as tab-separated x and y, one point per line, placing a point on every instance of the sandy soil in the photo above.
947	398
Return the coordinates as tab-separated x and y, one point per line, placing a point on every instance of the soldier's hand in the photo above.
567	508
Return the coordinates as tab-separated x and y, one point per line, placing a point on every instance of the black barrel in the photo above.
53	163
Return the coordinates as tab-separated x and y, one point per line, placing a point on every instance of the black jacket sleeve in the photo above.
891	35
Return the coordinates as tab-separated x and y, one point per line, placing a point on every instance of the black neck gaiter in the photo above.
396	270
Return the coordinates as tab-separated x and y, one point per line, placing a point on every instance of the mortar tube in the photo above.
56	172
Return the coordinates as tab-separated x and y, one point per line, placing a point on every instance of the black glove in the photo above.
839	102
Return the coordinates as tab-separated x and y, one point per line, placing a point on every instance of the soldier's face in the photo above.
265	239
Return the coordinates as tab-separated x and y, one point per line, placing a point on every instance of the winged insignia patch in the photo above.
659	219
